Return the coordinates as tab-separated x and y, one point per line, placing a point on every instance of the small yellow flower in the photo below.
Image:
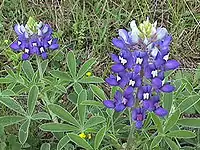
89	74
89	136
82	135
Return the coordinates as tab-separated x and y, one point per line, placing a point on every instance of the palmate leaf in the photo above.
98	92
91	79
181	134
85	67
28	69
63	114
58	127
94	121
12	104
167	101
92	103
63	142
189	102
77	87
171	144
23	131
41	116
99	137
157	122
71	63
61	75
156	141
172	120
9	120
79	141
32	99
190	122
81	108
45	146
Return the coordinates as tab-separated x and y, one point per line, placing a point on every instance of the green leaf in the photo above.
77	87
85	67
61	75
63	114
44	65
156	141
32	99
41	116
190	122
157	122
167	101
71	63
91	79
188	102
58	127
171	144
81	108
12	104
28	69
98	92
94	121
181	134
99	137
45	146
79	141
9	120
92	103
23	131
6	80
8	92
63	142
172	120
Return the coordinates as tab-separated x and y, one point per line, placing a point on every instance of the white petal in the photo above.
161	33
154	51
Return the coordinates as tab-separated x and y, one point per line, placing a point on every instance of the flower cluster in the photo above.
139	70
34	42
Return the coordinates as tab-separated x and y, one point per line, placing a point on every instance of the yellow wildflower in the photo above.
82	135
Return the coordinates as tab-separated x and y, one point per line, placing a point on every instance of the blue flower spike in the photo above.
139	70
34	38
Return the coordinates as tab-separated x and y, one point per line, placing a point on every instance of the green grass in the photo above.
87	27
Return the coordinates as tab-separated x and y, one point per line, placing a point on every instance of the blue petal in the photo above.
167	88
109	103
171	65
118	43
157	83
15	46
138	124
117	68
161	112
112	81
25	56
54	46
44	55
119	107
115	58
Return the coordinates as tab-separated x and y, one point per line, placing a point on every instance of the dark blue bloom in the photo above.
144	92
121	101
122	62
138	115
153	105
140	69
120	80
32	43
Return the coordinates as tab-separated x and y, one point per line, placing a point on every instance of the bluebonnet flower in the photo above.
140	69
138	115
34	42
121	101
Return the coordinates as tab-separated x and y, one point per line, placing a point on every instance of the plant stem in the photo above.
45	99
130	141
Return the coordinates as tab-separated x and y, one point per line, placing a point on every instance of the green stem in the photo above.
45	99
130	141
